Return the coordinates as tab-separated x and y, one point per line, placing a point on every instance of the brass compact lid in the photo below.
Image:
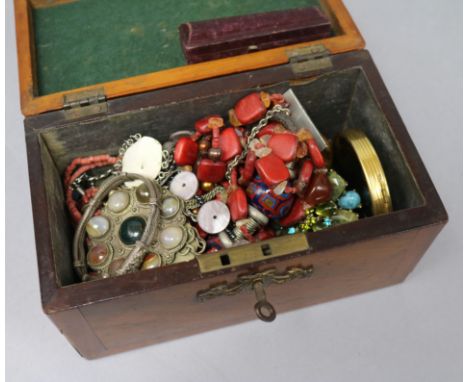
355	158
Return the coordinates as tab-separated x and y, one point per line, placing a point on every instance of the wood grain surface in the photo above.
108	316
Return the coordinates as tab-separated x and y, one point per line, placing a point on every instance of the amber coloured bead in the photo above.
319	190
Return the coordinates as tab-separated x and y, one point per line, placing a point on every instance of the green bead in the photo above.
131	230
326	209
344	216
317	227
338	184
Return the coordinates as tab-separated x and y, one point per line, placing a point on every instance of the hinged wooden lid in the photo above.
34	16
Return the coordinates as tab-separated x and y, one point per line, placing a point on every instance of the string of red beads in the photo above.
78	167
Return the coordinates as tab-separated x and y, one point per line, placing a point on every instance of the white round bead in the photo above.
171	237
118	201
184	185
97	226
144	158
213	217
170	206
225	240
258	216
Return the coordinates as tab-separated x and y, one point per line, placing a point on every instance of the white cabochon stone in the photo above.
118	201
97	226
171	237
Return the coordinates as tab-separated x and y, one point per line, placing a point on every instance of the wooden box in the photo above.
339	86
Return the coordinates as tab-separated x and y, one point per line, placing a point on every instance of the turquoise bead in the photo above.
291	230
131	230
350	200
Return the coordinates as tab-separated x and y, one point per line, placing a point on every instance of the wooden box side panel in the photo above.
135	321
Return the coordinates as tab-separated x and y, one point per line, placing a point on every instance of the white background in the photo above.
409	332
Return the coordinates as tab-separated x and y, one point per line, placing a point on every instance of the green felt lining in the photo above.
92	41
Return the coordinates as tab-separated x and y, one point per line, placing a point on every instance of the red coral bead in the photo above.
204	125
272	169
304	177
229	143
265	234
185	152
250	109
210	171
284	146
237	203
271	129
296	214
315	153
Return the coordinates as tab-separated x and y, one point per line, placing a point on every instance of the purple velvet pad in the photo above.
232	36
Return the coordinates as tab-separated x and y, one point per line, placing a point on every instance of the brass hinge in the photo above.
309	59
85	103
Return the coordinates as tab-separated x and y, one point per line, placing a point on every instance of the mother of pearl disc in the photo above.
184	185
213	217
171	237
118	201
144	158
97	226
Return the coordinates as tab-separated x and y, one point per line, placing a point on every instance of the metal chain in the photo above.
85	177
253	133
168	167
125	145
197	201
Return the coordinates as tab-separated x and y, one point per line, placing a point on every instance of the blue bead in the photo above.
266	201
327	222
291	230
350	200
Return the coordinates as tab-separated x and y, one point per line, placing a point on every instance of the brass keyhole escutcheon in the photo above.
257	282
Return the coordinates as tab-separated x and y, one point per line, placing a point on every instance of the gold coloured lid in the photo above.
357	160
